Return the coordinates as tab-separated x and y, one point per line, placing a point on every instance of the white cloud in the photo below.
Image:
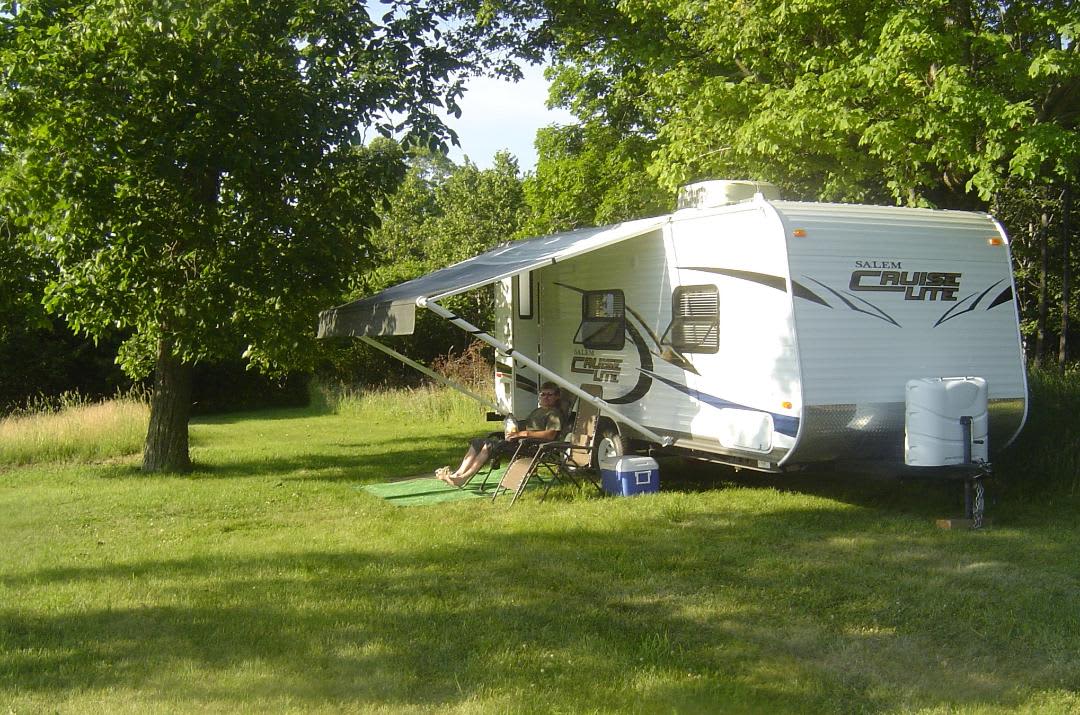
497	115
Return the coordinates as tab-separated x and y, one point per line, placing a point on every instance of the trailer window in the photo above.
603	320
695	319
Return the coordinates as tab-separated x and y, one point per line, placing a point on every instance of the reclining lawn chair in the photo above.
559	461
525	448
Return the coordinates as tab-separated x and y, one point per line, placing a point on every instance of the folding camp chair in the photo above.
559	461
524	448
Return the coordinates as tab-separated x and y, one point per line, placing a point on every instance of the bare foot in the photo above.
453	480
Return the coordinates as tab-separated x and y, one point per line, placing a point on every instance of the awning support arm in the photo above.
430	373
479	334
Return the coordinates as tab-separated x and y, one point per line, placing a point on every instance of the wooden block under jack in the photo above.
960	523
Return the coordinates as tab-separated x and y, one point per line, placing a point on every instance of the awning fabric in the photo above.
393	311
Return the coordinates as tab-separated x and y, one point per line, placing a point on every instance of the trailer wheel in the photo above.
608	444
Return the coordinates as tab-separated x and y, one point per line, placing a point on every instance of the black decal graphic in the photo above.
949	314
1004	297
801	291
524	383
644	381
915	285
770	281
878	312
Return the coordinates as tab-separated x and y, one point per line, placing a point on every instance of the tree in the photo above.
478	209
441	214
946	103
40	356
591	175
21	273
474	210
933	102
196	170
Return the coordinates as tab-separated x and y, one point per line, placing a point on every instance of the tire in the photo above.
608	444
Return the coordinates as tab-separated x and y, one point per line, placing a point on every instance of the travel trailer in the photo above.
745	329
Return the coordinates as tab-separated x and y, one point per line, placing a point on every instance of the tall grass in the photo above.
72	428
1044	462
426	403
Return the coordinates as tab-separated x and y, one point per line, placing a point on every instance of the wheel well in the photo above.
606	431
605	424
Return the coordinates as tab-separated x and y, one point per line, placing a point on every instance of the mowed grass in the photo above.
268	581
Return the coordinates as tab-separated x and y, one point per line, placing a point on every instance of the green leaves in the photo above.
442	214
591	175
196	170
927	103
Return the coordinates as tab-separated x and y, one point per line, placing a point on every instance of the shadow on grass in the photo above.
799	611
330	468
364	462
350	462
930	496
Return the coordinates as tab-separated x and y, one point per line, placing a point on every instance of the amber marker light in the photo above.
995	241
786	405
799	233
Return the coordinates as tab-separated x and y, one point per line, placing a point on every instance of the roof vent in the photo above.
707	194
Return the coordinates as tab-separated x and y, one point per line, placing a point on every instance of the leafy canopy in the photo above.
924	102
444	213
591	175
441	214
196	170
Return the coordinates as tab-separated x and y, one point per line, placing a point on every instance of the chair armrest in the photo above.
531	444
562	446
534	440
553	445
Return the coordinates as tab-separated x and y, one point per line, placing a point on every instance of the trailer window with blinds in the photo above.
603	320
695	319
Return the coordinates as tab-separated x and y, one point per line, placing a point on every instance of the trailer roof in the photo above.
393	311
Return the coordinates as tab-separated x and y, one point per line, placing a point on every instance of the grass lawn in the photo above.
267	581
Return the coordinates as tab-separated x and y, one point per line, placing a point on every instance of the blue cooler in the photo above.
626	476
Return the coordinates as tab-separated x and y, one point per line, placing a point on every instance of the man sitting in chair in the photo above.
545	423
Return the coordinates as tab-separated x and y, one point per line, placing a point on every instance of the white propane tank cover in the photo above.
933	432
707	194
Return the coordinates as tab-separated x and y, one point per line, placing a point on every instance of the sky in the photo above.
499	115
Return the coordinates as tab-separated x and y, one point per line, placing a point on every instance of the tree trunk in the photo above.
1044	269
1066	276
166	447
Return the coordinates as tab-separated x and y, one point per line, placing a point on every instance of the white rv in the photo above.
749	330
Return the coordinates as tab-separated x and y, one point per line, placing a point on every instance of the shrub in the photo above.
1044	462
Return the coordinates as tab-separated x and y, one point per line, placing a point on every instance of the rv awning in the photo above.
393	311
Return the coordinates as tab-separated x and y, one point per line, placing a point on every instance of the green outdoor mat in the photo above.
428	490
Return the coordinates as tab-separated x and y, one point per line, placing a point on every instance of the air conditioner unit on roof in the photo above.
707	194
